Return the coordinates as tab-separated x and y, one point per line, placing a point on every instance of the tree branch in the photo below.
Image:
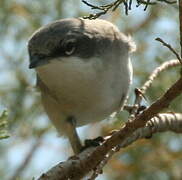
164	66
160	123
180	23
114	5
170	48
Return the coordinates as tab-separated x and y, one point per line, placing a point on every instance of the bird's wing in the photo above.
40	84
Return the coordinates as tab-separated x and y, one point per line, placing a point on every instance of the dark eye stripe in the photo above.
79	46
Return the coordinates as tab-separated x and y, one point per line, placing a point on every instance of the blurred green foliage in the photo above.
157	158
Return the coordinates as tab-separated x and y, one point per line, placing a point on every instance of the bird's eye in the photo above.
70	47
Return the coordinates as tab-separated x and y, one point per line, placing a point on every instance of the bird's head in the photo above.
77	37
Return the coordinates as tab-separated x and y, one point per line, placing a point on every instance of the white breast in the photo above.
89	90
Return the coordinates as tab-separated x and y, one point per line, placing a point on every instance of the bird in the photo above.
83	70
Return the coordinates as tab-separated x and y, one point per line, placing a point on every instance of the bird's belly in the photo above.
83	91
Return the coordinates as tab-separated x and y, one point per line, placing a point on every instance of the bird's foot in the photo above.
93	142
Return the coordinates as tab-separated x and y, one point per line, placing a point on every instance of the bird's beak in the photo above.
36	61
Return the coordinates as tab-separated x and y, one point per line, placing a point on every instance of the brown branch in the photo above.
79	166
180	23
170	48
160	123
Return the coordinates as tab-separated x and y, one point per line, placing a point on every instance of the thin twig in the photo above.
126	7
140	92
140	2
92	6
148	2
130	3
170	48
105	8
168	2
164	66
114	5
